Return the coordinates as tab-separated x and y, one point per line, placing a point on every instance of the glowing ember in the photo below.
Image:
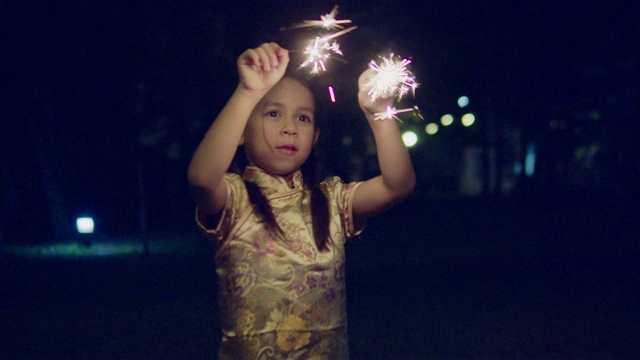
327	21
392	113
321	49
391	78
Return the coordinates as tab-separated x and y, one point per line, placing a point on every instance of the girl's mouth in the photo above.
287	149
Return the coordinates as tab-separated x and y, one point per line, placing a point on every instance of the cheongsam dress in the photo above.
280	297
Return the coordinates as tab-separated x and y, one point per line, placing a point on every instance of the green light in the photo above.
431	128
446	120
108	247
410	139
468	119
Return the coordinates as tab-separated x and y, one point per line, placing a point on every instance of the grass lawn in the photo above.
436	279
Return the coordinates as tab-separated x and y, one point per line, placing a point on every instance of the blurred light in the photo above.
530	160
104	248
332	96
595	115
431	128
517	168
468	119
409	138
446	120
84	225
463	101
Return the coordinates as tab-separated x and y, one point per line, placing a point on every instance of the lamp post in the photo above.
85	227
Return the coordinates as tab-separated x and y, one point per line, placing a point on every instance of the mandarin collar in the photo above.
271	183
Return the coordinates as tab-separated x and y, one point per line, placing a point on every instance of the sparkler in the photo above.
322	49
327	21
392	113
391	78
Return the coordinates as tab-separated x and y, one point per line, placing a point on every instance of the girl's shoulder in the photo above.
335	186
236	188
233	177
332	181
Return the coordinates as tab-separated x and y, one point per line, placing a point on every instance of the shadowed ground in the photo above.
433	278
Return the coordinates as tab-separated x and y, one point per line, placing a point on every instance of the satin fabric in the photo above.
280	297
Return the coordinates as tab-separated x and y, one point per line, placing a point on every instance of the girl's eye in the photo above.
272	113
304	118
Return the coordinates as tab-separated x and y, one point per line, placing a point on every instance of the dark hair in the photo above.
311	179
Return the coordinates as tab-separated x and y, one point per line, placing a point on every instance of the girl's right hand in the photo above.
369	107
261	68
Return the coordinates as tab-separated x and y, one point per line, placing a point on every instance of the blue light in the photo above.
463	101
530	160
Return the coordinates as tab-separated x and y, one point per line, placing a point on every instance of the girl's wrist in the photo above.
249	94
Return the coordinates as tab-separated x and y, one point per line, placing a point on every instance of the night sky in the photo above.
117	87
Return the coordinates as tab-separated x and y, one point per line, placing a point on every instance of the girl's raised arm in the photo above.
397	178
259	70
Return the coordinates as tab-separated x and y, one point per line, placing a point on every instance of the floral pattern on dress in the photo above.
240	280
291	333
264	242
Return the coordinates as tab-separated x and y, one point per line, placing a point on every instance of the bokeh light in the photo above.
468	119
446	120
409	138
431	128
85	225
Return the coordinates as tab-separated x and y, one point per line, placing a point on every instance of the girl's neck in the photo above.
288	178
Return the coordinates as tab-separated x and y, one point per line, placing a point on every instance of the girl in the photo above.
279	234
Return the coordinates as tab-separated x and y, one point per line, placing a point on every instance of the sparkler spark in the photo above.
391	78
392	113
327	21
322	49
332	95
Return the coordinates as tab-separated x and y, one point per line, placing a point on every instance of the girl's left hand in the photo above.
261	68
369	107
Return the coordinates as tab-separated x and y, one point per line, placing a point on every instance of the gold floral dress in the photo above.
281	298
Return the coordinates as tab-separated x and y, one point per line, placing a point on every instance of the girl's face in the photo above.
281	131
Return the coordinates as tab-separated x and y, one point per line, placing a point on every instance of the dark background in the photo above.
103	103
106	101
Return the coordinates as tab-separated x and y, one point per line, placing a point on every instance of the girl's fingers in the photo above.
283	56
262	65
265	62
364	78
275	54
250	58
271	50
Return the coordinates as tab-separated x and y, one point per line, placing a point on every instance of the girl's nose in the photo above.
289	128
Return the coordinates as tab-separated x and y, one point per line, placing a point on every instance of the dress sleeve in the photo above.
217	229
341	200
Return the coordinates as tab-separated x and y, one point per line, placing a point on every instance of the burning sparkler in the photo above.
322	48
327	21
391	78
392	113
